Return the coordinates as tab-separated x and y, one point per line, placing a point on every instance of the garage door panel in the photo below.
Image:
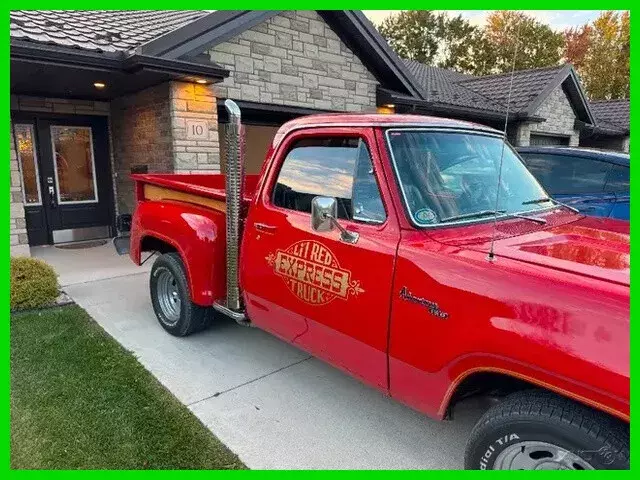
548	140
257	141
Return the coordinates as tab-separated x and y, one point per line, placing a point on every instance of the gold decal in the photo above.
312	273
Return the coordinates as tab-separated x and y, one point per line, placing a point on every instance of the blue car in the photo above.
593	181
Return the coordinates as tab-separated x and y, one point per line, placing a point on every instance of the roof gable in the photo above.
97	30
353	28
491	92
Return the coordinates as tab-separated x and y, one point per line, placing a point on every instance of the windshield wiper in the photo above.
553	200
486	213
541	221
481	213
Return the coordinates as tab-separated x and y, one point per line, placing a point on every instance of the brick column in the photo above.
193	106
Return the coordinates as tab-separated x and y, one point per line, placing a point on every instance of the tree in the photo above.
412	34
432	38
605	67
537	44
576	44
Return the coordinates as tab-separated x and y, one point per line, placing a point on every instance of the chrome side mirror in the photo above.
324	218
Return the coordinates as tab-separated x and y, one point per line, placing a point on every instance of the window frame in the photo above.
279	156
455	223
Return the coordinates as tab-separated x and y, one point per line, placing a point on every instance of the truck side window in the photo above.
338	167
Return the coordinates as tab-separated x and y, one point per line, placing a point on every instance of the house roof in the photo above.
490	93
527	85
442	86
612	113
353	28
97	30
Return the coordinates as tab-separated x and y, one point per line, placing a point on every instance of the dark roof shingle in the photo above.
527	85
97	30
442	86
613	112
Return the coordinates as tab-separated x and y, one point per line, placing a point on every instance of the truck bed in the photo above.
202	185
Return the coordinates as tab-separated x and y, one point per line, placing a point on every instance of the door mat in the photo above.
79	245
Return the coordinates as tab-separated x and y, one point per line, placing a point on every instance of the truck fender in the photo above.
196	233
468	366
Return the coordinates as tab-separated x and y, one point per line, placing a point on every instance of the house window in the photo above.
27	159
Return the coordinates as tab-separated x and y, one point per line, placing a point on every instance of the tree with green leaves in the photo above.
432	38
537	44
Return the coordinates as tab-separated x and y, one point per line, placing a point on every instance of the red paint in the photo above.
552	309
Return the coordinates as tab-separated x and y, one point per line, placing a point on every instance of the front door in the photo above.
311	288
66	177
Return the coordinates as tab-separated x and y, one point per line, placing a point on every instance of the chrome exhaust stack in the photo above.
234	185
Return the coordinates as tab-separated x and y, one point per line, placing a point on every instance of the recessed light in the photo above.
99	85
201	81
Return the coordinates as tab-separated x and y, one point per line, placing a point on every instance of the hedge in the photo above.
34	283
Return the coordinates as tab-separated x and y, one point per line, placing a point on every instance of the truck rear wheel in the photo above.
537	430
171	300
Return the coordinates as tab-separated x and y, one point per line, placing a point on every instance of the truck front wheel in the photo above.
537	430
171	300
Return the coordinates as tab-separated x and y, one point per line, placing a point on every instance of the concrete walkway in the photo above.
271	403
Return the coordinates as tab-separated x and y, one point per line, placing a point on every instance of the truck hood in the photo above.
590	246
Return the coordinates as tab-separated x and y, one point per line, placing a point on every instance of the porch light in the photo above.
99	85
387	108
201	81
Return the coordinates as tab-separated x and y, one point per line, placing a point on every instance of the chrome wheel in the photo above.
532	455
168	296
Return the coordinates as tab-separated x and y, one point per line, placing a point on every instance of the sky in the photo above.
557	19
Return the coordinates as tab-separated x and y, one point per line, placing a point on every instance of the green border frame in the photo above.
258	5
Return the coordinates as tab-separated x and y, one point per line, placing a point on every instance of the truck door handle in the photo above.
264	228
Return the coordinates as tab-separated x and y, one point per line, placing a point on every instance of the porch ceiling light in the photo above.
99	85
201	81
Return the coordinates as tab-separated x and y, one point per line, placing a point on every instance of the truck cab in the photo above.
419	255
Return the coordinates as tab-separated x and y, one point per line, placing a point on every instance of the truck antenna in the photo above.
491	256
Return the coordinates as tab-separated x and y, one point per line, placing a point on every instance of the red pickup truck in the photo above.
419	255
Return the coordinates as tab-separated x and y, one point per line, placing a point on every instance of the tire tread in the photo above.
548	406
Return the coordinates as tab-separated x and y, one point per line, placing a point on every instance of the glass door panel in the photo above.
25	147
74	164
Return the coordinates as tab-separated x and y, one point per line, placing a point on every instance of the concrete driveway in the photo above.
272	404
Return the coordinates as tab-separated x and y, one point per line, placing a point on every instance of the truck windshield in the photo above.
450	177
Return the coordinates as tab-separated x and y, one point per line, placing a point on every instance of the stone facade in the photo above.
193	102
20	103
559	120
295	59
141	136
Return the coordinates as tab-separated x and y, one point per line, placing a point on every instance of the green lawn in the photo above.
79	400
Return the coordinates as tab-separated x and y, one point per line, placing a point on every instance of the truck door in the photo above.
330	297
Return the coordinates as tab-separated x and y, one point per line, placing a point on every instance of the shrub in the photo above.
33	283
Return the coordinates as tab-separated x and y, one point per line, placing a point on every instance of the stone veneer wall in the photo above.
19	242
295	59
141	135
559	115
192	101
